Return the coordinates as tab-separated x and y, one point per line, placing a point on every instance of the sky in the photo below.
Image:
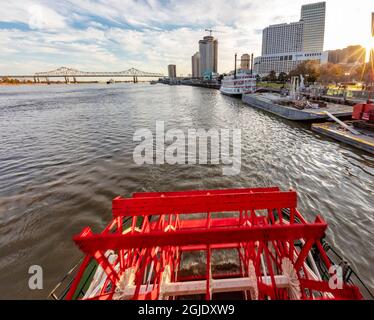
116	35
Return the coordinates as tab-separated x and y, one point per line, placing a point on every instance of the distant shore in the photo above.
40	83
58	83
21	84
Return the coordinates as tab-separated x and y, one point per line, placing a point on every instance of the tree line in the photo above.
327	73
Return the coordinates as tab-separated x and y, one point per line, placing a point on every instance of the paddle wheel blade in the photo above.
142	252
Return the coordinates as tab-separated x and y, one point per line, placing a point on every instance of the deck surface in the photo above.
269	102
333	130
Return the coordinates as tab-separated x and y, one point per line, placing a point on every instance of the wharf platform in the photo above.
270	102
363	141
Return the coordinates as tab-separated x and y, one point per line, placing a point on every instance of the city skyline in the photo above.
149	35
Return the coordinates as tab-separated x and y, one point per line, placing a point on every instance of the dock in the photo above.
363	141
338	100
269	102
208	85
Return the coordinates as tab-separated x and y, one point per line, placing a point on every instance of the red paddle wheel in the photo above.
140	254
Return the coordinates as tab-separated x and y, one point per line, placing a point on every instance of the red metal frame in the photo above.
153	249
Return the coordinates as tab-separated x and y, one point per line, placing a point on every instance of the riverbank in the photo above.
216	86
193	83
62	83
41	83
17	84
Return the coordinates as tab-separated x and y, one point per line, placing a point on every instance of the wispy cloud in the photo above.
36	35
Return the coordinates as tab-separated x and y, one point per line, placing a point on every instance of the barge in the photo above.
274	103
335	131
147	250
358	133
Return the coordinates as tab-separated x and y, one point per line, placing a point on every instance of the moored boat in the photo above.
238	84
275	252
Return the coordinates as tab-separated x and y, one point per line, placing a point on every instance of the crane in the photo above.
210	31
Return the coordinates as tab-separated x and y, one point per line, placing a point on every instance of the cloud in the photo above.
150	34
41	17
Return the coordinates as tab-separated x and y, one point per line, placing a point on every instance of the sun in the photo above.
370	45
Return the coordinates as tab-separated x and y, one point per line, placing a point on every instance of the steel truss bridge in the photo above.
69	73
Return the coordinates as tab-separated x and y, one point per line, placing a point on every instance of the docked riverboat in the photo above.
154	239
239	83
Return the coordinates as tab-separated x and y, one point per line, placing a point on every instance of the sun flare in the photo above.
369	45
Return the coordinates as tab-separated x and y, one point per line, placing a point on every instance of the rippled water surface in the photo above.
66	151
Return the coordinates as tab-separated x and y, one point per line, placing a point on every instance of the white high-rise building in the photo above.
285	62
196	65
314	16
283	38
208	48
284	46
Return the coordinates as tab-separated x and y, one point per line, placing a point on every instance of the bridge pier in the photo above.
34	79
75	79
135	79
66	80
47	80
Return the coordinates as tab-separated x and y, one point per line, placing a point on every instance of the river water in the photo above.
67	150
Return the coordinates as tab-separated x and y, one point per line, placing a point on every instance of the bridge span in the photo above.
69	73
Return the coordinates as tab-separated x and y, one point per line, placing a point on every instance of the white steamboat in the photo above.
238	84
240	81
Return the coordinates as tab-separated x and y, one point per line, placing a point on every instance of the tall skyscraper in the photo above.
196	65
172	71
283	38
372	24
208	48
314	16
245	61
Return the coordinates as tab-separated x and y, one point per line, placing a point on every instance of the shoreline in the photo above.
43	83
21	84
59	83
